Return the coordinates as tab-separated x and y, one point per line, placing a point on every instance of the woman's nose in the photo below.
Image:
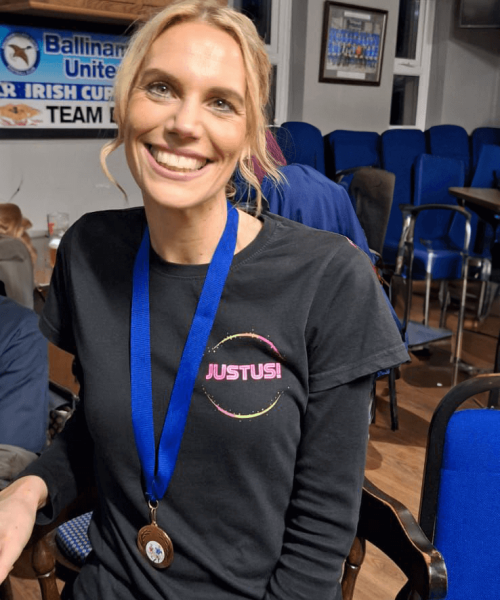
185	120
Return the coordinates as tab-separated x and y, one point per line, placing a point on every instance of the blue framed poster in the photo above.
57	81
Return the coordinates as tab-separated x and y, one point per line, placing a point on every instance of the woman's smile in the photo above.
175	166
177	162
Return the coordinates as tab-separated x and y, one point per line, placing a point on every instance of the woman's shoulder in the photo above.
107	228
100	220
318	241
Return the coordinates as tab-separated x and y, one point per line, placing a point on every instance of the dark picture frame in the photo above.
352	44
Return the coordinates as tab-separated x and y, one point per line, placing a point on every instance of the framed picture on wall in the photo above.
57	83
352	44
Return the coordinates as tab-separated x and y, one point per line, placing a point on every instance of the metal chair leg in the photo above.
480	303
373	403
428	280
460	325
393	400
444	294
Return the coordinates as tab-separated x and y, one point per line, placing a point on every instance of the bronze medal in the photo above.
154	544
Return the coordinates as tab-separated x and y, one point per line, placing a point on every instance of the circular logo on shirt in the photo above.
244	376
20	53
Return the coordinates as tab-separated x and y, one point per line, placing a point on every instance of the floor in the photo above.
395	458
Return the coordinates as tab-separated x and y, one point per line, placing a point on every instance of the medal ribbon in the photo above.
140	360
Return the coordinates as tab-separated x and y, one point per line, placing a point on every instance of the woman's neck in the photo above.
191	236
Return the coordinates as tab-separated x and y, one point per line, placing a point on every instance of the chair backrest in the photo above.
485	176
434	175
399	150
460	504
487	165
373	191
346	149
16	270
302	143
480	137
450	141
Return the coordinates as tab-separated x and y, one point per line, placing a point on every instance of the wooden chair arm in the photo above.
44	548
84	503
390	526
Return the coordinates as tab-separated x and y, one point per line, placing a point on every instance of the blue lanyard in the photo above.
140	360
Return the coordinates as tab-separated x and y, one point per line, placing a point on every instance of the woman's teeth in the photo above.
176	162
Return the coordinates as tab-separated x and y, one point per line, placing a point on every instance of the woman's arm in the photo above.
324	507
19	503
45	487
66	466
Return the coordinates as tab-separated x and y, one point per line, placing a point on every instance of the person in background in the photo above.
14	224
226	359
24	393
17	255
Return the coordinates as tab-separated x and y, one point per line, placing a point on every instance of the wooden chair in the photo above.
383	521
390	526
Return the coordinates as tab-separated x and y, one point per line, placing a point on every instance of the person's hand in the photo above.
18	505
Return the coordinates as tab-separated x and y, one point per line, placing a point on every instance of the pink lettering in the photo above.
270	371
244	371
254	372
210	373
258	375
222	374
232	372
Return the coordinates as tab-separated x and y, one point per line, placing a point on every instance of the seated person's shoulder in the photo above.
14	316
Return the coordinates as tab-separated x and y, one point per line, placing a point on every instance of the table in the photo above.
485	202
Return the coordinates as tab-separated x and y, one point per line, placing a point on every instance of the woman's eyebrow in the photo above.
160	74
224	92
228	93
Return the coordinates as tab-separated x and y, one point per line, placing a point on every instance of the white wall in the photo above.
332	106
465	73
464	82
61	175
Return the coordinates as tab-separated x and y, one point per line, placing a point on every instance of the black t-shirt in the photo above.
263	501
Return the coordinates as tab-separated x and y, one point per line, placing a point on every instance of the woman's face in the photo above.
186	122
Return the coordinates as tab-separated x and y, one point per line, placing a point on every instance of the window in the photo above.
412	63
273	19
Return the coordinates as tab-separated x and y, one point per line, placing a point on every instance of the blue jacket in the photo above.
24	394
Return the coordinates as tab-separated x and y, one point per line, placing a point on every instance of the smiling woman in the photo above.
225	358
186	125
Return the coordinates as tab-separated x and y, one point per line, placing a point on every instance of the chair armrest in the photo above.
84	503
343	172
43	544
414	210
65	394
390	526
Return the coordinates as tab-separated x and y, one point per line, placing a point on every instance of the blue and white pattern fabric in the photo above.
72	540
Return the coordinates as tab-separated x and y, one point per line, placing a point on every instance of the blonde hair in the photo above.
257	66
14	224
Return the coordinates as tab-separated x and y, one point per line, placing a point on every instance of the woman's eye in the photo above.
159	89
222	105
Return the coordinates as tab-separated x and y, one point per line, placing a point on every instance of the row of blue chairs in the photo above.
342	150
465	160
